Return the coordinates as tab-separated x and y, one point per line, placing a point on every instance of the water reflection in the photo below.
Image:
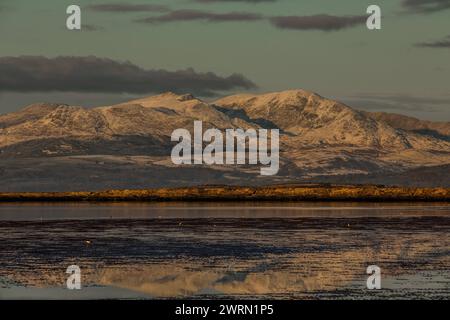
141	210
316	252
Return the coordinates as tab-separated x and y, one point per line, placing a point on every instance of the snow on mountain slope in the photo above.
318	120
319	137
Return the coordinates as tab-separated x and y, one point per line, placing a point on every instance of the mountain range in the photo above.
59	147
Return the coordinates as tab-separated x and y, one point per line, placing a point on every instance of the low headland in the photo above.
240	193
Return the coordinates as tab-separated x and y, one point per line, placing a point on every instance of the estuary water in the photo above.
280	250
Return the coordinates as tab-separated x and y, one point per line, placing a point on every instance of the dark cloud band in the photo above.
426	6
247	1
321	22
445	43
93	74
125	7
191	15
91	27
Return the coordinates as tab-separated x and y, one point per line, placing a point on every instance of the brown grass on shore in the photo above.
230	193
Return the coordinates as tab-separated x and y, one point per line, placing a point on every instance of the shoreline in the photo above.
363	193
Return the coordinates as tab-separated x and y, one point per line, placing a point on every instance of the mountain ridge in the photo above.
319	138
438	129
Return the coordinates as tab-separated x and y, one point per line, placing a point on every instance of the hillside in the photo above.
440	130
57	147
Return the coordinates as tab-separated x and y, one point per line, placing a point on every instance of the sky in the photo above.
212	48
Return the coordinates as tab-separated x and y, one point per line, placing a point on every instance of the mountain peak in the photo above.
293	93
166	98
166	94
42	105
292	97
186	97
318	136
179	97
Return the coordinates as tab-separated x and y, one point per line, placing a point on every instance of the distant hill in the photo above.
57	147
439	130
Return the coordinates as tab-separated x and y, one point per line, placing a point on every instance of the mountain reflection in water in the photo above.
273	250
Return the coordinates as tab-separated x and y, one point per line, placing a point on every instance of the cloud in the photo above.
321	22
191	15
398	102
445	43
125	7
3	7
425	6
93	74
90	27
247	1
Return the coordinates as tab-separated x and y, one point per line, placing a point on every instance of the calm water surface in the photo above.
225	250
